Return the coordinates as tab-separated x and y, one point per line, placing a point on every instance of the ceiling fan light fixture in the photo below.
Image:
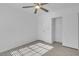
37	7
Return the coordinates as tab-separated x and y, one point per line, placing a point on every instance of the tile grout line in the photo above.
20	52
40	50
33	50
42	47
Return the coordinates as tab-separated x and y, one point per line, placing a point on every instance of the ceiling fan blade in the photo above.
44	9
36	3
27	6
44	3
35	11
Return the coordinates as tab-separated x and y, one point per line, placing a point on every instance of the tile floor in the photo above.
37	49
58	50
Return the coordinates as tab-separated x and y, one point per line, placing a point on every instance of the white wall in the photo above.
17	27
45	27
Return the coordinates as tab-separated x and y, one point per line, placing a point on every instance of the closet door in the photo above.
70	30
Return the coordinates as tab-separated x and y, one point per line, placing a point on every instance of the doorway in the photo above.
57	29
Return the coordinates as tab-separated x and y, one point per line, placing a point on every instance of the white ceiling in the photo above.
57	6
53	6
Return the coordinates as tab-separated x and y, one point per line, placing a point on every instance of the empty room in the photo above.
39	29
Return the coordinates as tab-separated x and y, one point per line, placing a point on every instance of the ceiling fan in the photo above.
37	6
